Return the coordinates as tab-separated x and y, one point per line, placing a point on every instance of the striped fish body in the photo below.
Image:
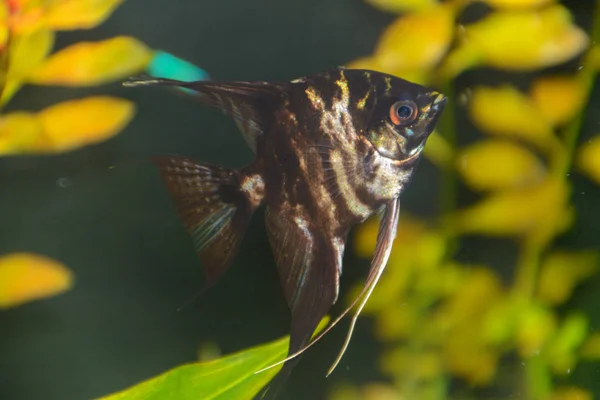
331	150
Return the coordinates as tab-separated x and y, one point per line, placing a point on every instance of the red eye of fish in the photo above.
403	112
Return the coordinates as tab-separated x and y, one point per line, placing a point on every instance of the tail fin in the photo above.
214	209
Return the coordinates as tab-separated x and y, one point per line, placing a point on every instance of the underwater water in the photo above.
102	210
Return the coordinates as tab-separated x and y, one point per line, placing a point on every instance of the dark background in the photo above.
103	211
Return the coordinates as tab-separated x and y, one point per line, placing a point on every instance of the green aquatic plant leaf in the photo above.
230	377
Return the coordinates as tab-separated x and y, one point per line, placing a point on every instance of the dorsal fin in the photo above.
250	104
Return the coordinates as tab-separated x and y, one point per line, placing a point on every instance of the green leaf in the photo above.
230	377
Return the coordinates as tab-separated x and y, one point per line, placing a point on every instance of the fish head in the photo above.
402	117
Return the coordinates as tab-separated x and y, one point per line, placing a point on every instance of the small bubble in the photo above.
464	97
569	371
582	193
580	68
568	175
64	183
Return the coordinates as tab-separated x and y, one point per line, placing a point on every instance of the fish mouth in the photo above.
439	100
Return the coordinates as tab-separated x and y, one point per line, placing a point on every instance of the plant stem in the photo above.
532	248
588	80
537	376
449	186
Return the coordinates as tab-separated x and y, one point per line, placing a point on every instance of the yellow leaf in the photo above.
536	324
571	393
417	76
480	289
380	391
398	6
25	54
559	98
20	132
561	351
438	151
78	14
506	111
466	356
3	25
416	41
500	320
27	18
25	277
525	39
591	348
561	272
588	160
498	164
519	211
517	4
343	391
72	124
396	321
93	63
28	51
366	238
424	365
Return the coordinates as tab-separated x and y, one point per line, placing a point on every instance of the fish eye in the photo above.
403	112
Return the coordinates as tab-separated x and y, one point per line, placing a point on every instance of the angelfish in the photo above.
331	150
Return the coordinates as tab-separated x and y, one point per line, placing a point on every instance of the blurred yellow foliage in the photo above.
72	124
25	277
27	31
571	393
26	16
564	345
591	348
438	151
25	53
535	326
397	6
561	272
440	318
413	44
558	98
78	14
517	4
519	211
588	160
499	164
416	41
30	38
518	40
505	111
20	132
93	63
